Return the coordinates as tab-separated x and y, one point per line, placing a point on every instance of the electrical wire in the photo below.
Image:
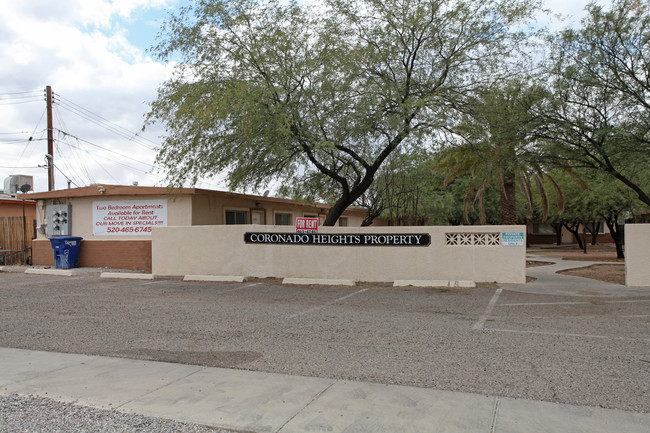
77	151
64	175
81	161
37	92
64	161
16	167
104	123
20	159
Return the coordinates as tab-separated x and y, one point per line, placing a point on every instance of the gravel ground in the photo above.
20	414
577	350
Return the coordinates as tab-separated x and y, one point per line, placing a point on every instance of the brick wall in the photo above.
132	255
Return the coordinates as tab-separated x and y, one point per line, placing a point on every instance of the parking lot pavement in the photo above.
589	350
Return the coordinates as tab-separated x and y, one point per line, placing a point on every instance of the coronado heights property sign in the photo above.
370	239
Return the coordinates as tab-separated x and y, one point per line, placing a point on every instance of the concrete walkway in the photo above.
549	282
264	402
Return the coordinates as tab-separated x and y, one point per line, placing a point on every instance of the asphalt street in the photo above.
584	350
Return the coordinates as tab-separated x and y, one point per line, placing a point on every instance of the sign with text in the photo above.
137	217
512	239
306	225
370	239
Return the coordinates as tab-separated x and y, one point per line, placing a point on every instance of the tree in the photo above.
596	200
600	116
270	90
491	141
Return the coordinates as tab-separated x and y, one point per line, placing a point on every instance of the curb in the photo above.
58	272
126	276
324	282
215	278
434	283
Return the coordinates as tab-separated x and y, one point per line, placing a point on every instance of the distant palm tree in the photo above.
491	143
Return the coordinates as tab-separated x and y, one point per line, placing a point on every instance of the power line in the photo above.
17	167
38	92
103	122
81	162
70	180
108	150
30	140
19	102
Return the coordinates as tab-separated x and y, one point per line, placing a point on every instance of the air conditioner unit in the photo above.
15	182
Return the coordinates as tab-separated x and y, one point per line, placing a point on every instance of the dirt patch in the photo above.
532	263
608	273
212	359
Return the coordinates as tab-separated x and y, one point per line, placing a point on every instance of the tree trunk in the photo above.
558	233
592	228
508	203
573	229
617	234
335	212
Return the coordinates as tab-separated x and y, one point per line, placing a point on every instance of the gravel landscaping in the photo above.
19	414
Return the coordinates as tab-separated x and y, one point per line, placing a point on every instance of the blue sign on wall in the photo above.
516	239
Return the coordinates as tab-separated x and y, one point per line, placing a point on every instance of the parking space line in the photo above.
325	305
478	326
633	301
526	304
565	334
239	288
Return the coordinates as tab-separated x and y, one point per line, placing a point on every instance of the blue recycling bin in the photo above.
66	251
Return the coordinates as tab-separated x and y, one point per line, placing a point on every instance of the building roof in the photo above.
13	199
103	190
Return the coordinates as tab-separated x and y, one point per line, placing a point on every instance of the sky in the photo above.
94	55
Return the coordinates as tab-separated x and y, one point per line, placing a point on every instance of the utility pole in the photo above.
50	140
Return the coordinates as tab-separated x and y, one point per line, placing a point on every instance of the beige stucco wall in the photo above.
637	255
179	212
220	250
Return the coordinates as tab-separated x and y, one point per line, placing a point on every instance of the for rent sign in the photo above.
136	217
306	225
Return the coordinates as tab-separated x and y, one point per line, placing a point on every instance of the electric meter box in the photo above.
59	222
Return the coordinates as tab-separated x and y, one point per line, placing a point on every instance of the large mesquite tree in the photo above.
278	90
599	117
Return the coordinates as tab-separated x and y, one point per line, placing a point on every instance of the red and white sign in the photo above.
306	225
138	217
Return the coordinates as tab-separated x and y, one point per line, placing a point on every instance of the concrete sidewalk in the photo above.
264	402
548	280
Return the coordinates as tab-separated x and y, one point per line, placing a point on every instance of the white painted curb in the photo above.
215	278
126	275
324	282
463	284
57	272
434	283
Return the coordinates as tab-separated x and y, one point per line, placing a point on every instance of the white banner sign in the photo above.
136	217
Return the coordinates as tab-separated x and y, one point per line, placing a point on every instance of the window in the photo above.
282	219
343	221
236	217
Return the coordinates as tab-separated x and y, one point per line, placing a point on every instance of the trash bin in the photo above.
66	251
